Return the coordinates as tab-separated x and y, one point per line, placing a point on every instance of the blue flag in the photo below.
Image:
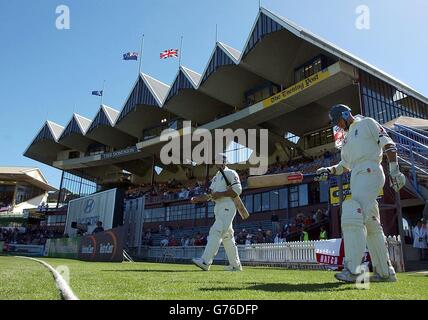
97	93
130	56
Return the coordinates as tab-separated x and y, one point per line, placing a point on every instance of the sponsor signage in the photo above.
62	248
296	88
335	196
119	153
89	210
27	250
103	247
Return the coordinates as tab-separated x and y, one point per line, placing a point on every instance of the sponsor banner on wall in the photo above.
105	246
26	249
296	88
330	252
62	248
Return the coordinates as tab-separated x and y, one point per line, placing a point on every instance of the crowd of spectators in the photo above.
34	236
176	190
172	190
296	229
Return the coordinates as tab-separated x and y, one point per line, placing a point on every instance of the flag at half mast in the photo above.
170	53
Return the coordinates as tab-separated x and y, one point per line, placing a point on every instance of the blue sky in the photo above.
46	73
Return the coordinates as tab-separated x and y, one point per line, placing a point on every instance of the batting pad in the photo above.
353	234
377	247
231	249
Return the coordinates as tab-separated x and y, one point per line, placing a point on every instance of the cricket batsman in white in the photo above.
361	153
224	211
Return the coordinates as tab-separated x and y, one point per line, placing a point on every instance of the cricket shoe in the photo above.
346	276
201	264
233	269
378	278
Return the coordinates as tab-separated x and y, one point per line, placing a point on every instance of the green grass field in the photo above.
22	279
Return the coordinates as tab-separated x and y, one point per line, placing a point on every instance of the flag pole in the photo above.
102	93
179	53
141	55
216	33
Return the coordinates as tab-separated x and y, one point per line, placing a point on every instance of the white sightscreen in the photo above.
90	209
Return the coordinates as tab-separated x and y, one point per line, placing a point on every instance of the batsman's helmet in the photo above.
339	111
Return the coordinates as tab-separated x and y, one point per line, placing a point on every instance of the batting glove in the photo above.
398	180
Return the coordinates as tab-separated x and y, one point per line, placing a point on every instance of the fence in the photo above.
299	255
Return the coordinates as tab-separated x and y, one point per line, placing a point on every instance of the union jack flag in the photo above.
170	53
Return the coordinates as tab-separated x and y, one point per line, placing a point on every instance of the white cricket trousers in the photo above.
222	231
366	184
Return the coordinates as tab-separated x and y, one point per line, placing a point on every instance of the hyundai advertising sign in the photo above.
104	206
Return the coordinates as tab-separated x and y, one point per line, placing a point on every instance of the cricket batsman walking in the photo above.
361	153
224	211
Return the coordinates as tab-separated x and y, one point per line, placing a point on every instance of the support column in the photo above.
399	215
207	180
152	182
60	190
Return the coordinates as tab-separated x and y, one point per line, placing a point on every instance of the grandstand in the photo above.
285	80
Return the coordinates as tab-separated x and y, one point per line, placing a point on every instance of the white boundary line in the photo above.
61	284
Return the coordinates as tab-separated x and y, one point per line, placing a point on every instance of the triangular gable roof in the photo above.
192	76
77	124
111	113
84	123
147	91
50	131
183	80
236	54
264	25
158	88
106	116
56	129
219	57
268	22
31	175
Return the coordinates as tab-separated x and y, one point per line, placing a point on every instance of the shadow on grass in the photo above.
287	287
156	270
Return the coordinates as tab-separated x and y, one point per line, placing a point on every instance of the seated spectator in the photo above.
148	239
308	221
259	236
173	242
186	241
319	216
164	242
192	242
248	241
304	235
268	238
199	240
323	233
99	228
167	231
276	225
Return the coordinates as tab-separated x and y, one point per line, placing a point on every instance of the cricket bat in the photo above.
281	179
240	207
